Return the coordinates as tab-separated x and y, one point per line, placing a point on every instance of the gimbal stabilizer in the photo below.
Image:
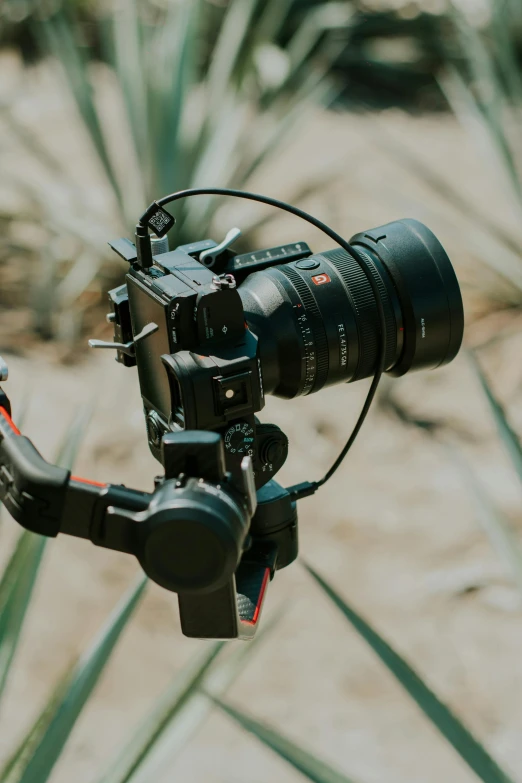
211	332
189	533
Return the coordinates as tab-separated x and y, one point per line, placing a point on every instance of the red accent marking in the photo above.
401	328
87	481
10	421
260	598
321	279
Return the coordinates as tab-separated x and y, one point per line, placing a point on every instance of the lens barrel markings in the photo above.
363	301
316	323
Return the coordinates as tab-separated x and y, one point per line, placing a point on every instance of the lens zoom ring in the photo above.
366	310
316	324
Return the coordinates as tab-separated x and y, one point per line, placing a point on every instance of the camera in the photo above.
280	321
211	332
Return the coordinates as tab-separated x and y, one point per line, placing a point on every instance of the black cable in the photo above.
306	488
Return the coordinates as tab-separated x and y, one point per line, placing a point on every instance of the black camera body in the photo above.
201	369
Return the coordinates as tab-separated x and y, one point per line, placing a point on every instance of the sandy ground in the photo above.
395	531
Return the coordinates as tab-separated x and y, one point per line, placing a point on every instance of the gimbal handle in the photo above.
48	500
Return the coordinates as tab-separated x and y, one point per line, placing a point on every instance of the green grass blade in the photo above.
35	758
492	99
502	20
169	85
469	748
32	141
306	763
58	33
128	58
271	21
181	690
16	590
507	435
483	124
322	19
16	586
13	769
217	159
180	713
226	53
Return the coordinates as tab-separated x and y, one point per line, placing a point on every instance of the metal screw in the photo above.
229	394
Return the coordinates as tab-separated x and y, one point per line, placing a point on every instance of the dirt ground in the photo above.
395	531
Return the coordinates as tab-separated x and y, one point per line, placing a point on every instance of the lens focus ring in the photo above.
316	325
364	306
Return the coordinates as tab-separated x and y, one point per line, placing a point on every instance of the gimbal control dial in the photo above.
240	439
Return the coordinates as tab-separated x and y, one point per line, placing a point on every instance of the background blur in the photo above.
360	112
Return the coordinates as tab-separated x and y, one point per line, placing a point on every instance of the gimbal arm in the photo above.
46	499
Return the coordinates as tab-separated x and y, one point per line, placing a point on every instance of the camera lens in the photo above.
317	322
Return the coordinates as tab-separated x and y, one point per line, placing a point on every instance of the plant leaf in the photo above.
16	589
469	748
35	758
169	91
127	34
479	124
192	96
271	21
181	690
58	33
308	765
507	435
226	53
18	580
320	19
179	714
502	25
491	102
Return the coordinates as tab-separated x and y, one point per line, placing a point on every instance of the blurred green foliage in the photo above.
194	85
205	96
389	56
